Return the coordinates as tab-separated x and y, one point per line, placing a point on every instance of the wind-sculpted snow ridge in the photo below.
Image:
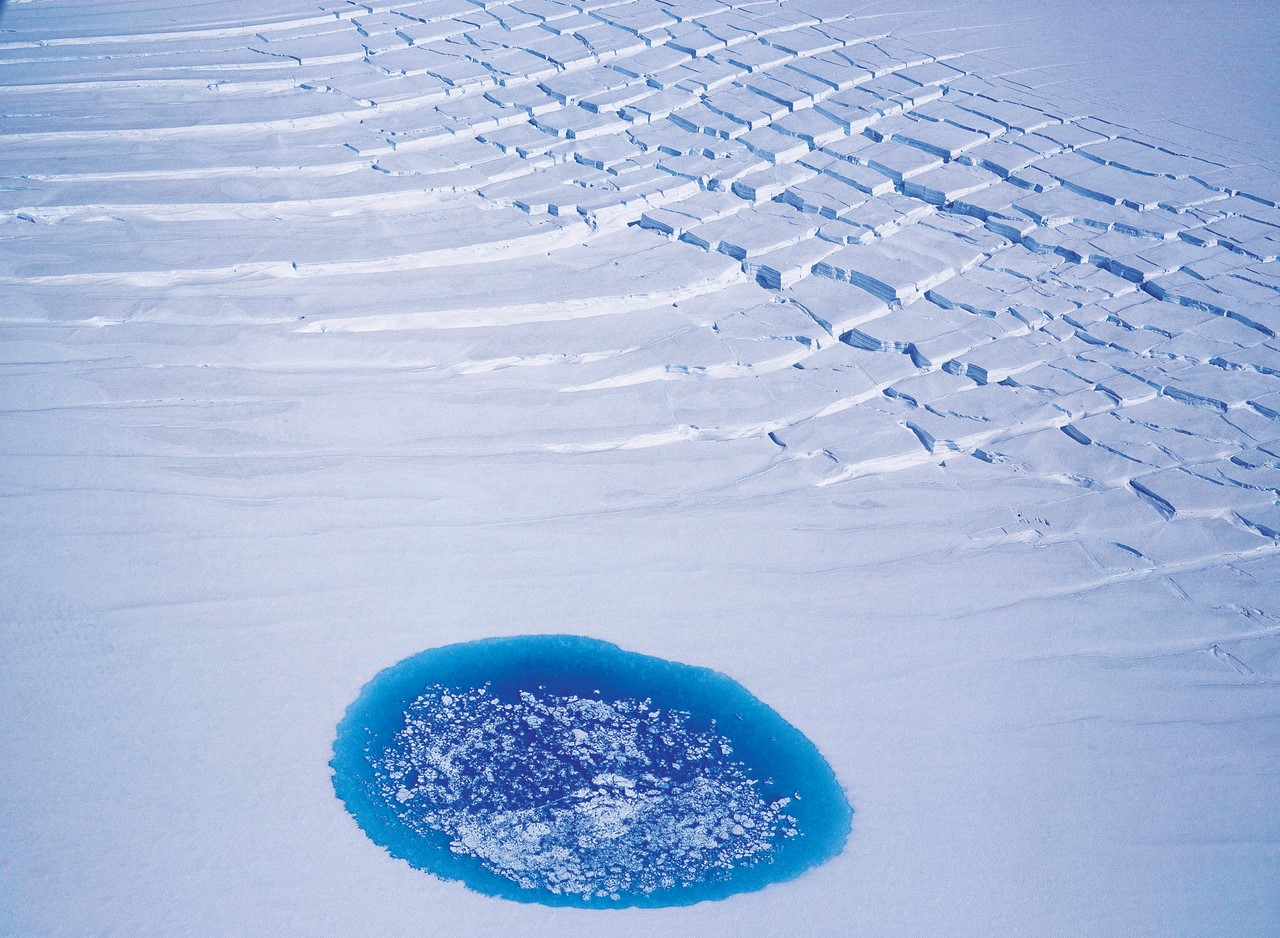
594	798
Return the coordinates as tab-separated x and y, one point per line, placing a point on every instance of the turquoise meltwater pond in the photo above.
564	770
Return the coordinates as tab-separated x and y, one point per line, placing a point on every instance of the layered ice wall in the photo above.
827	347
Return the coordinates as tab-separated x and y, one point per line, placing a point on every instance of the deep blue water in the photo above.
564	770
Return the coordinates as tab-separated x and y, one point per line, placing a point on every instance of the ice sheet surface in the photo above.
915	365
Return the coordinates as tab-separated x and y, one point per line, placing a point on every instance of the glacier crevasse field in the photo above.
914	365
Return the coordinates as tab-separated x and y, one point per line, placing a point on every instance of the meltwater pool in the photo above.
564	770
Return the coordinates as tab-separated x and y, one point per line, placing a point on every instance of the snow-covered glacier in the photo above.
914	364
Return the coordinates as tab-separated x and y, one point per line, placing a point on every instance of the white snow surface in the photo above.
913	364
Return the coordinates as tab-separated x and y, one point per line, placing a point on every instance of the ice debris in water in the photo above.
577	796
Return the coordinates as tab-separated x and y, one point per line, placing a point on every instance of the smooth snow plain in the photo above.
907	363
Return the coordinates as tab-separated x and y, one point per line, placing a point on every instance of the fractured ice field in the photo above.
915	365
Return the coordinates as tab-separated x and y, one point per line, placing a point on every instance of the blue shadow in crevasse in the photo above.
566	771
